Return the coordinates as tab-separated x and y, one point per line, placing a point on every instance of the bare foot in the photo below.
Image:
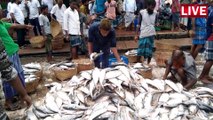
206	80
209	78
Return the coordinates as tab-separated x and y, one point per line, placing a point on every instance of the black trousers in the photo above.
21	36
36	27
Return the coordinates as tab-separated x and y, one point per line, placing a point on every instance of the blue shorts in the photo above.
75	40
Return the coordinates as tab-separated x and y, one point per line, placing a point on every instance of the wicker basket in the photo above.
132	58
31	86
37	42
39	74
146	73
55	28
58	41
65	74
84	64
160	57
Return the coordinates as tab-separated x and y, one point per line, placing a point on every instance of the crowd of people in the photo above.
96	20
77	17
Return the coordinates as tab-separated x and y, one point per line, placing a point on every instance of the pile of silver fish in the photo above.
30	71
119	93
63	65
141	66
131	52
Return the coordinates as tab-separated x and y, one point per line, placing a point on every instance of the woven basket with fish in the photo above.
132	56
84	64
39	74
143	70
55	28
58	36
65	71
146	73
161	57
58	41
37	42
32	85
33	75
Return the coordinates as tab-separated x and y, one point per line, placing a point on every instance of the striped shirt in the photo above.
7	72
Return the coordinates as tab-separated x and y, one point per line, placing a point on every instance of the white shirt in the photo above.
19	16
49	3
23	8
9	6
34	8
59	12
147	24
72	22
129	5
45	23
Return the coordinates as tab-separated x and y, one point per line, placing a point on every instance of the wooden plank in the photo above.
178	42
123	33
121	45
29	50
171	32
131	44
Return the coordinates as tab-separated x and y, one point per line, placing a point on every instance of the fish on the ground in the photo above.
120	93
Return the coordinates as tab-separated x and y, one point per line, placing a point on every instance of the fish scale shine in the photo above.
102	98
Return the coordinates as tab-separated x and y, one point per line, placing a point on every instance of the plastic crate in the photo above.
112	59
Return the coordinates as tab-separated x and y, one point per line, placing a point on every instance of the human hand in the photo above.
95	55
27	99
191	33
120	61
92	56
29	27
136	38
45	38
93	17
67	37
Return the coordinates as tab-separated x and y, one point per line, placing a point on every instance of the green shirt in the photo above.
10	46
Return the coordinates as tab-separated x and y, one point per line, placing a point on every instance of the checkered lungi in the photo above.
200	36
145	47
209	50
75	40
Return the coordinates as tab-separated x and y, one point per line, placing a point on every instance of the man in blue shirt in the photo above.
100	7
204	77
102	39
